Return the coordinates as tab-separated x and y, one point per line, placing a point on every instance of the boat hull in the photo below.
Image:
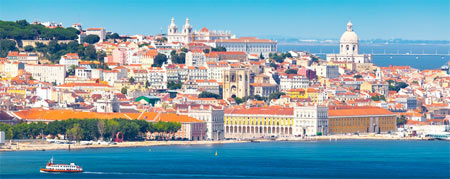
43	170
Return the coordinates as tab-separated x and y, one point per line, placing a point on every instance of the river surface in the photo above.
319	159
398	51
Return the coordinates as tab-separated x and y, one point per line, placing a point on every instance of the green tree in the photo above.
219	49
206	94
401	120
92	39
205	50
71	70
173	86
75	133
131	80
185	50
28	48
6	46
124	90
291	71
261	56
113	36
238	100
276	95
357	76
159	60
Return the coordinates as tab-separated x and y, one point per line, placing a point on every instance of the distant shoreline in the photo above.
29	146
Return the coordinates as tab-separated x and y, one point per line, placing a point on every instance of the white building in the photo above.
293	81
100	32
173	35
9	69
216	69
197	73
327	71
23	57
69	59
157	78
47	73
249	45
310	120
195	58
187	35
349	49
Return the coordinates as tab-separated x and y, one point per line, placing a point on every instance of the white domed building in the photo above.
349	49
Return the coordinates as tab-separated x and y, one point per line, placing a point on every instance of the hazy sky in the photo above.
407	19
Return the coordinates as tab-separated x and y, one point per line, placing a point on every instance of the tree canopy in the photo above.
91	39
291	71
206	94
91	129
159	60
22	30
6	46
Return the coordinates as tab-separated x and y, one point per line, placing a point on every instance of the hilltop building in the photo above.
349	49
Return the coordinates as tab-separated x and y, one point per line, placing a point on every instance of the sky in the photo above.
306	19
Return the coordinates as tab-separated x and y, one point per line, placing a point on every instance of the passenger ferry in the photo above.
61	168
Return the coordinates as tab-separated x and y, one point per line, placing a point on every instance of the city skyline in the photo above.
414	20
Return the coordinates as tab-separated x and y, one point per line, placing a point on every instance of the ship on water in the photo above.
51	167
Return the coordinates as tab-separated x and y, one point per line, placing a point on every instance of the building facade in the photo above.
361	120
249	45
236	83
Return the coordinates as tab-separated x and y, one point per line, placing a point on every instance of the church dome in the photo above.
349	36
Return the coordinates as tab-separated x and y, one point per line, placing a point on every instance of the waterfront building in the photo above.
236	83
249	45
47	73
349	49
361	120
191	128
212	115
258	122
276	121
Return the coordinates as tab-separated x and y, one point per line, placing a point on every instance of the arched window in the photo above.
347	47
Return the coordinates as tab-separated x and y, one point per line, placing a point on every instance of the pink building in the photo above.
119	55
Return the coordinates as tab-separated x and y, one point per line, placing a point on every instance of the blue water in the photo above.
322	159
421	62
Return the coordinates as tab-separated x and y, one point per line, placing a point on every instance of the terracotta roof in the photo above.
273	110
64	114
359	111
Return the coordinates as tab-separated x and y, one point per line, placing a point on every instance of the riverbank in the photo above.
43	145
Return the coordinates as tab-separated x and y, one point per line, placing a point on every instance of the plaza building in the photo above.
47	73
361	120
349	49
213	117
276	121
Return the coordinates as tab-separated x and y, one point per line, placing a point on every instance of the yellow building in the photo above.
258	122
303	93
361	120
